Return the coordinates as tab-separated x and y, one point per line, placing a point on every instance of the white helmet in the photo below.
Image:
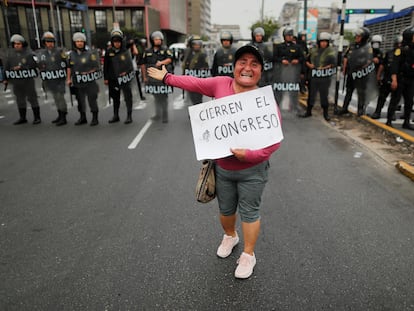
79	36
17	38
324	36
376	38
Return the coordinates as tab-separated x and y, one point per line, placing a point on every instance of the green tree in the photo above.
270	26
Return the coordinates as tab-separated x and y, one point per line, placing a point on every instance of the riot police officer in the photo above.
402	73
359	67
224	56
321	64
266	48
83	72
52	66
384	78
157	56
289	68
196	65
20	69
118	74
302	41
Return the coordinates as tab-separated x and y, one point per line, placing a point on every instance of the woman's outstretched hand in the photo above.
157	74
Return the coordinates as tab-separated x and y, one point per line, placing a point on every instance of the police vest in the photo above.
359	57
85	67
197	60
150	58
407	69
322	58
267	52
121	61
26	62
223	62
52	65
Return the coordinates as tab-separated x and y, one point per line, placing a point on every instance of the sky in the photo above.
247	12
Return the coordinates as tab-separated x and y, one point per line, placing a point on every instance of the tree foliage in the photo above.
270	26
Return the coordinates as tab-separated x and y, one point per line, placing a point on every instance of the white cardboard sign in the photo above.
247	120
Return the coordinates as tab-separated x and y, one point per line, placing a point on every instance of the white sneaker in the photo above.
246	264
227	245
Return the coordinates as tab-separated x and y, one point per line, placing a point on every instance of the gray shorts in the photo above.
241	190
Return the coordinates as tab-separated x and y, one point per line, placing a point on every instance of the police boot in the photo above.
377	113
82	119
62	120
406	125
165	113
129	118
22	119
344	109
36	115
58	118
360	110
94	118
115	118
325	114
308	112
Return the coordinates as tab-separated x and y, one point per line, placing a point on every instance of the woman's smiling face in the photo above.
247	71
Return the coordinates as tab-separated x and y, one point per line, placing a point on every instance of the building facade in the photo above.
391	25
199	17
95	18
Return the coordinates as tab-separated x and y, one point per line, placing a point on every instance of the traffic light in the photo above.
83	30
366	11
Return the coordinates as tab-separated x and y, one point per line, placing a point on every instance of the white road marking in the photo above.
140	105
141	133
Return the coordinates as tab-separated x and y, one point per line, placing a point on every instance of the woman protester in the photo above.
240	178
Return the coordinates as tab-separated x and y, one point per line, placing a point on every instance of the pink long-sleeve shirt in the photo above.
218	87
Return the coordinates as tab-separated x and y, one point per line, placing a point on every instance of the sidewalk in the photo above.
407	135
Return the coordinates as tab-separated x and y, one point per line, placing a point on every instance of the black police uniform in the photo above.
287	77
360	68
320	78
196	65
52	66
85	71
21	69
223	62
266	48
157	88
119	72
385	88
403	67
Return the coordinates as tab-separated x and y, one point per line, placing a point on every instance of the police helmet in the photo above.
156	35
364	32
117	34
258	31
226	35
17	38
324	36
303	33
398	40
288	31
376	38
79	36
407	35
196	40
48	37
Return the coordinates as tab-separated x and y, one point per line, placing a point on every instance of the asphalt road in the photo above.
88	224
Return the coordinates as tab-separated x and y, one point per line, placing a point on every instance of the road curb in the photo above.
405	168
